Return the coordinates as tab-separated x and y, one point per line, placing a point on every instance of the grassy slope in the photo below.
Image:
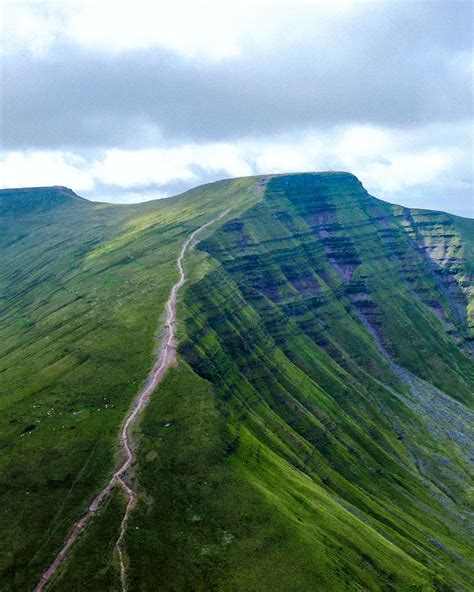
82	289
292	461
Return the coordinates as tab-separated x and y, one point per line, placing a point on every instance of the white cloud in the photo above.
388	162
391	161
160	166
403	171
135	168
44	168
391	164
204	29
25	26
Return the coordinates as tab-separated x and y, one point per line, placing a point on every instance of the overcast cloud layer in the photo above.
127	101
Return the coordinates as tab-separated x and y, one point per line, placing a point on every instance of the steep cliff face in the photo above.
445	242
333	328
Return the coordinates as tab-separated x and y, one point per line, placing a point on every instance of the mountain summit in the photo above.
315	432
36	199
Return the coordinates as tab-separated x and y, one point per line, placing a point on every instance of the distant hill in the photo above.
34	199
316	433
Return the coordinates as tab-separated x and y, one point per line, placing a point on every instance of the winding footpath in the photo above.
166	357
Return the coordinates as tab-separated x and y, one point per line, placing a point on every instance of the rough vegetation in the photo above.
315	434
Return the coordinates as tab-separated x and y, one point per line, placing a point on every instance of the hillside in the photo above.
316	433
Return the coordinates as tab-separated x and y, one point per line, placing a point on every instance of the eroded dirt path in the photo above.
165	358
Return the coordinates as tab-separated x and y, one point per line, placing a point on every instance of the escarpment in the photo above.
327	328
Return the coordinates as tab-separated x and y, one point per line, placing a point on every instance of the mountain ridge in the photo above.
319	410
261	177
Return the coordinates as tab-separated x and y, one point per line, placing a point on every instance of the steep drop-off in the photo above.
334	329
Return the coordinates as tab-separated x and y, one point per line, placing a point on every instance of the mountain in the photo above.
316	432
38	199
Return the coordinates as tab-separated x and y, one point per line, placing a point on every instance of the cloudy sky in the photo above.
133	100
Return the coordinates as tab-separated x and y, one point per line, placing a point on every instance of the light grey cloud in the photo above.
386	66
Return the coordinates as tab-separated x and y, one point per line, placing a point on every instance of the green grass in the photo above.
295	458
83	289
92	564
214	518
